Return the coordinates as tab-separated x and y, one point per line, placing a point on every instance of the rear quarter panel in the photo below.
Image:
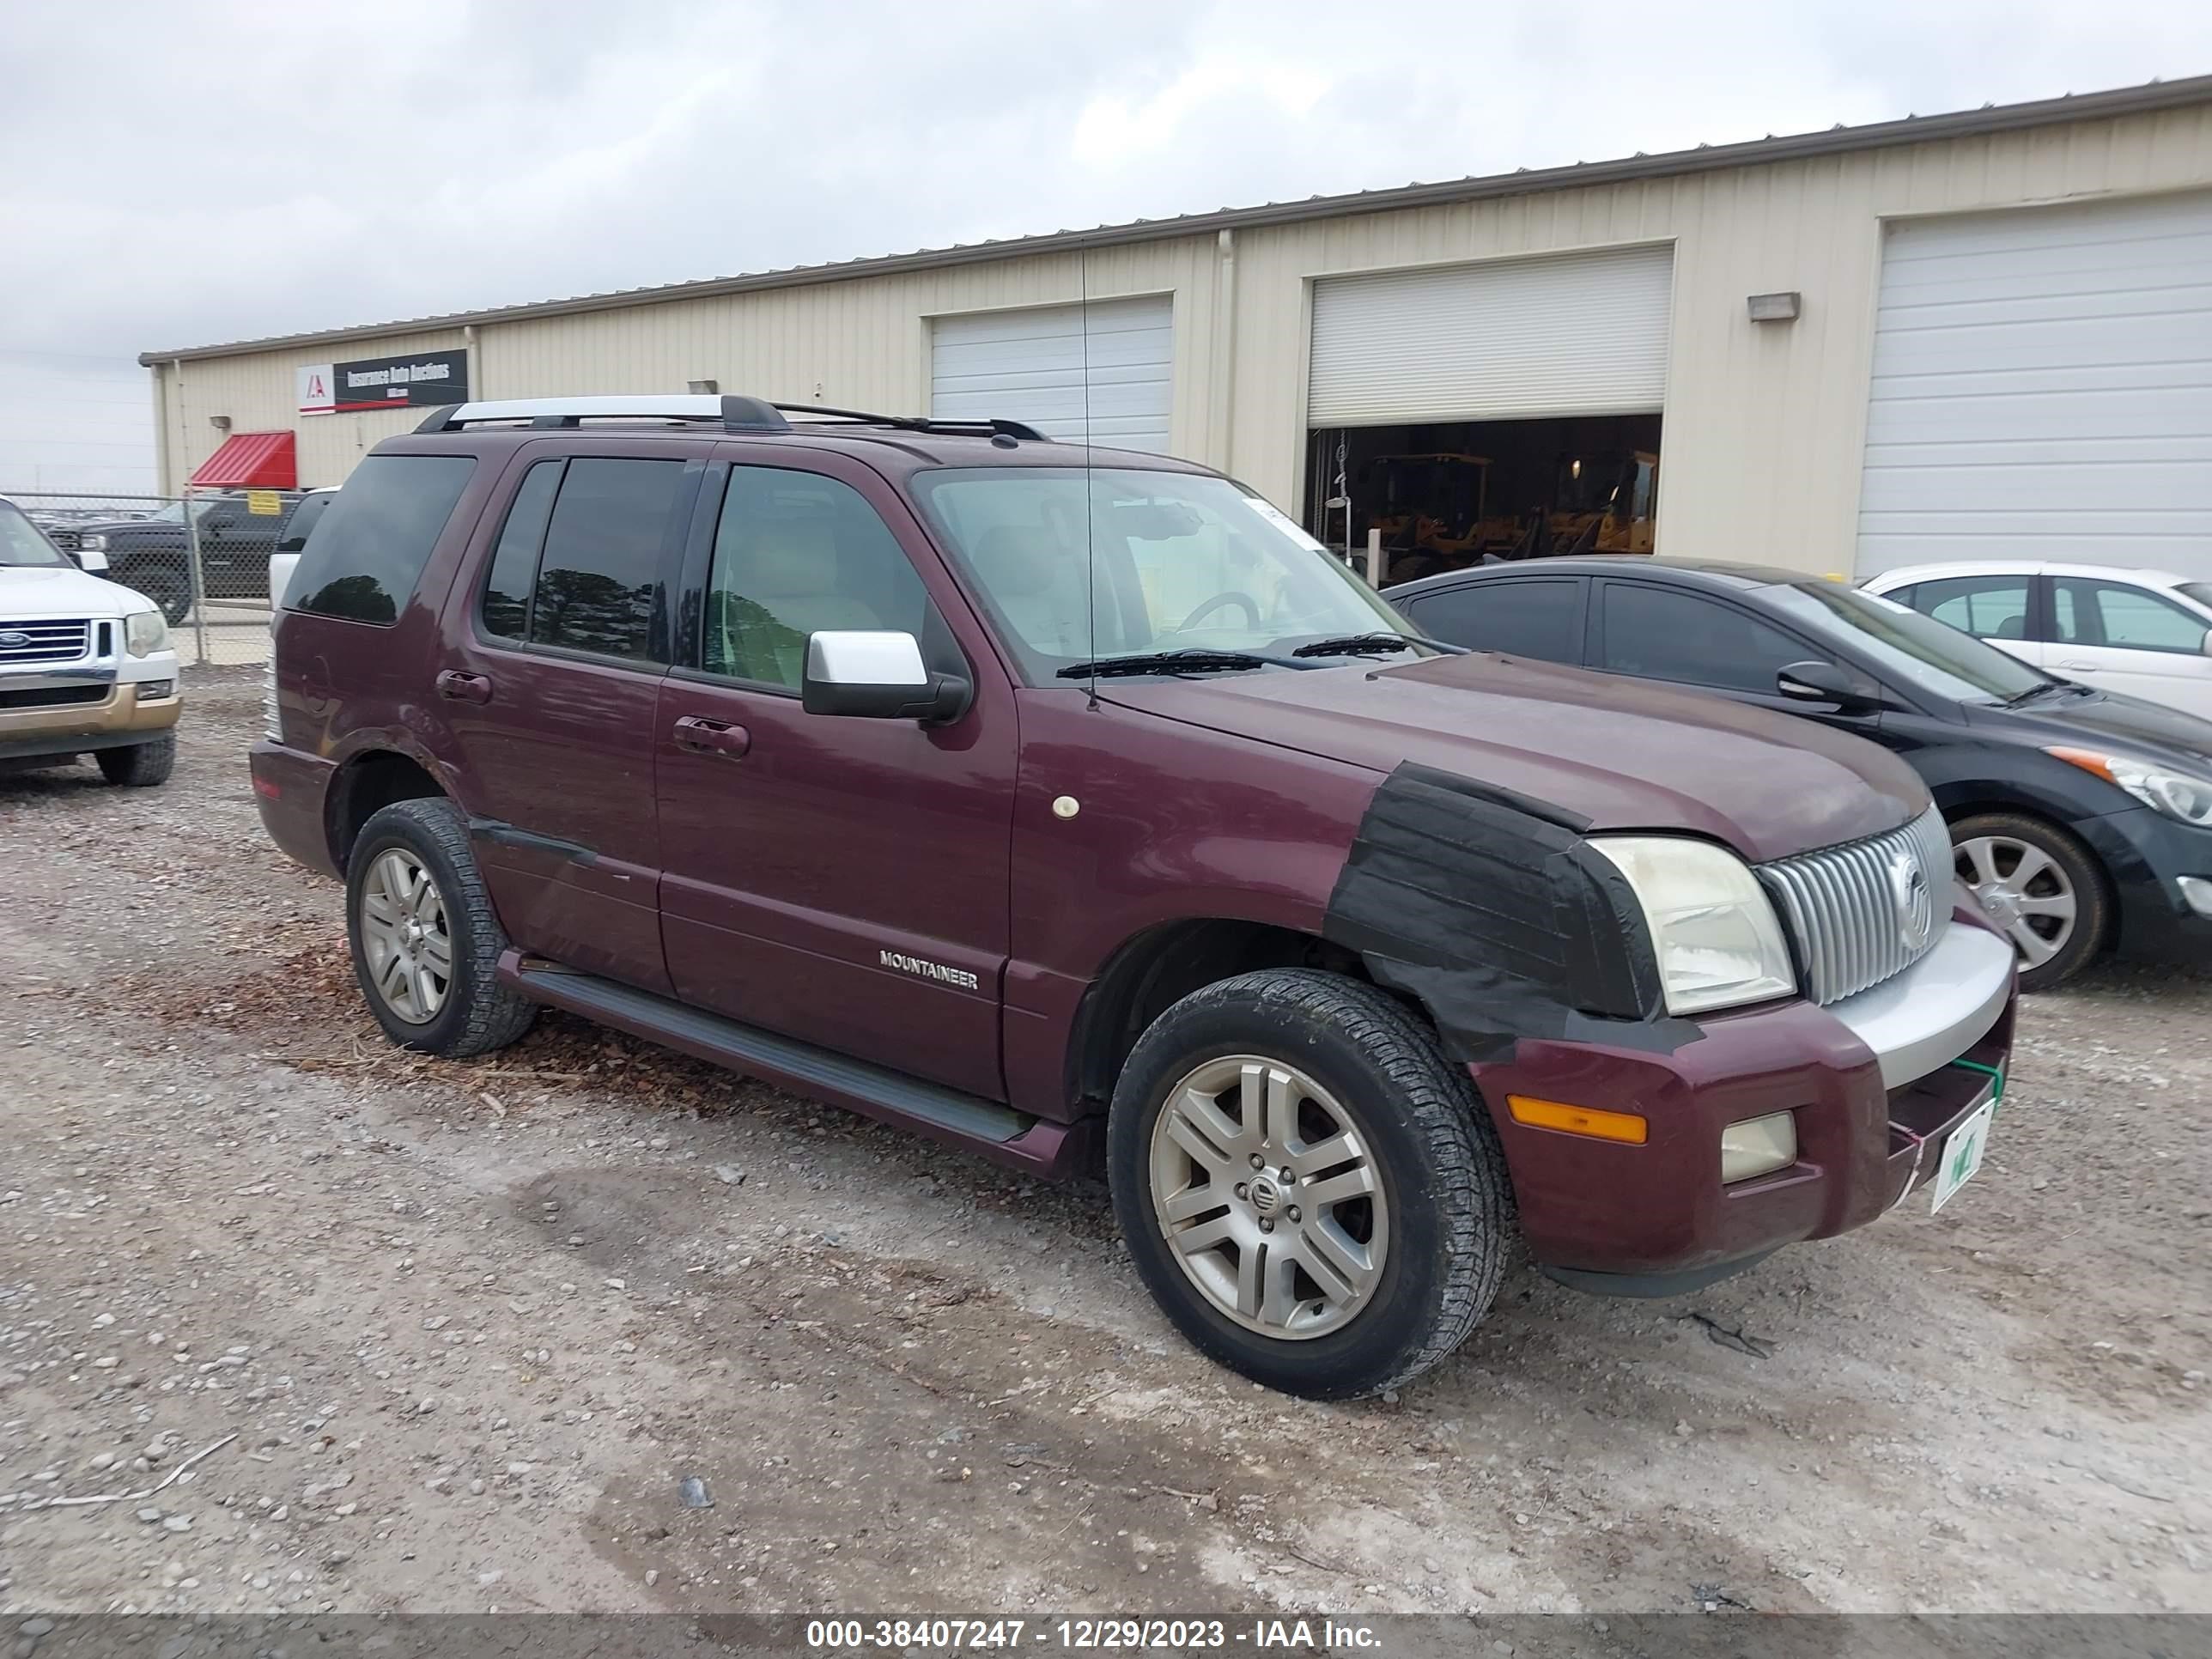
345	689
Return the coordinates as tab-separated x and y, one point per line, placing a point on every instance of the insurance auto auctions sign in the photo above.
420	378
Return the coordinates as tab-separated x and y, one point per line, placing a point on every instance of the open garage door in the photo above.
1516	339
2043	389
1509	411
1029	366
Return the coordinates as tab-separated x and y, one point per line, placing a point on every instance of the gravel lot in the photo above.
449	1336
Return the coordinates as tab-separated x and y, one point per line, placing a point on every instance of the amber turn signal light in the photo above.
1576	1120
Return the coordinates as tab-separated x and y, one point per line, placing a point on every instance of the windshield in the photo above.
1182	562
2200	592
1918	650
174	512
22	543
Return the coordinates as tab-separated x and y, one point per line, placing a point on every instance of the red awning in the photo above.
251	460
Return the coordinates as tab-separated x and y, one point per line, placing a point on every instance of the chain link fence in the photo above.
202	557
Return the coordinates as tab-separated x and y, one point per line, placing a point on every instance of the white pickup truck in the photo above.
86	666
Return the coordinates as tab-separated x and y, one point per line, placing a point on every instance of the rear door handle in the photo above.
464	688
703	736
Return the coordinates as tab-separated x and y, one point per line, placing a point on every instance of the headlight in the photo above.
144	633
1714	930
2177	794
92	544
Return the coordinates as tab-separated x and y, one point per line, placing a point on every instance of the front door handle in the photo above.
2078	667
464	688
703	736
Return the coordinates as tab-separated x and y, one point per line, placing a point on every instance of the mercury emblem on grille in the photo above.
1916	904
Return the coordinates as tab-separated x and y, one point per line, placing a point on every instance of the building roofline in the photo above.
1705	158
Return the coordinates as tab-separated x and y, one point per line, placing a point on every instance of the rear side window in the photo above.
1656	632
377	535
579	562
506	609
1987	607
2121	615
1537	618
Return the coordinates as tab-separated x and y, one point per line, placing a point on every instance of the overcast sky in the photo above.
174	175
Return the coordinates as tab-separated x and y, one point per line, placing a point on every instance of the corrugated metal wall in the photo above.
1765	423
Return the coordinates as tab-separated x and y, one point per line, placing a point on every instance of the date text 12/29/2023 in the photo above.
1085	1635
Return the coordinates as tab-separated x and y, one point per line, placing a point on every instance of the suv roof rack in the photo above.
980	428
731	412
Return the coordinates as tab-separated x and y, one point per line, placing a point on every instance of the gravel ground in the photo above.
338	1328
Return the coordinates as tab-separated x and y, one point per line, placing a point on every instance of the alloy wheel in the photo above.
2024	891
1267	1192
404	936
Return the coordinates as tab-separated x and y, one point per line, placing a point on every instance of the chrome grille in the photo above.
1842	906
43	642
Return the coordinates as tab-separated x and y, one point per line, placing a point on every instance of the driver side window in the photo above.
798	553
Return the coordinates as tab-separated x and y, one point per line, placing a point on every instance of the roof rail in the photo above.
732	414
989	428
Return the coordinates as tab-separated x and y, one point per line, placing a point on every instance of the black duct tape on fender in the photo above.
1493	911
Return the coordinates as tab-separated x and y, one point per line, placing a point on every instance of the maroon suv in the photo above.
1052	802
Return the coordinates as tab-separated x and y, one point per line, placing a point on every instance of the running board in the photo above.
999	1133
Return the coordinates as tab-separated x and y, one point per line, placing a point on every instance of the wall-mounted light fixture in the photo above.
1775	307
219	423
703	388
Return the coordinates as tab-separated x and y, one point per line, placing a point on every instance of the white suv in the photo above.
86	666
2142	632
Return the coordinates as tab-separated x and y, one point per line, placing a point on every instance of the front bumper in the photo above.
2147	853
73	711
1870	1082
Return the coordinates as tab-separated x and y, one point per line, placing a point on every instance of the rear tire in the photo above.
141	766
2042	887
426	942
1373	1232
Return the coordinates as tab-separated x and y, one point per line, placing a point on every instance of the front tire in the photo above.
426	942
141	765
2041	886
1372	1230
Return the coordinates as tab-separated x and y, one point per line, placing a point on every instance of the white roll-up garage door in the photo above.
2043	389
1029	366
1517	339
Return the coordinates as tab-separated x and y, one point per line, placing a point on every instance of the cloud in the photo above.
179	175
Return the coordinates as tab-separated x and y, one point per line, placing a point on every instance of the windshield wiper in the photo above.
1196	660
1359	645
2046	688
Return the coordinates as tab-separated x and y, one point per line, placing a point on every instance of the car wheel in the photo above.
1310	1191
140	766
426	942
2039	884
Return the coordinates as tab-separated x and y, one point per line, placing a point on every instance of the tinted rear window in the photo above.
1539	617
598	577
376	536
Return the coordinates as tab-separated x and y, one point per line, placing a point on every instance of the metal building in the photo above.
1975	333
